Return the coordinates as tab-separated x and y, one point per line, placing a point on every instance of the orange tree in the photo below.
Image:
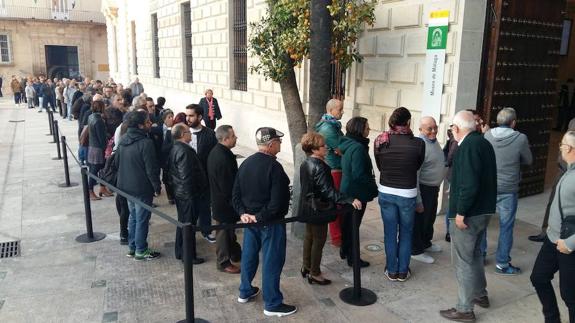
281	41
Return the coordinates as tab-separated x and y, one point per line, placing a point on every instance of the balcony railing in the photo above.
21	12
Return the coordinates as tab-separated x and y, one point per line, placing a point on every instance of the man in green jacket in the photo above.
472	202
330	128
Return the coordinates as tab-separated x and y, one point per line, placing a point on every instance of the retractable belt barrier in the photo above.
355	295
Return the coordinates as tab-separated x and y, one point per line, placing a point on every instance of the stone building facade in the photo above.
391	74
29	29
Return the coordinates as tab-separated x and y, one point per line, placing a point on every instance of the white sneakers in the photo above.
423	258
426	258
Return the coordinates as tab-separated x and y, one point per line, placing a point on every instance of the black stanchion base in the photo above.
196	320
57	158
64	185
367	297
85	239
49	134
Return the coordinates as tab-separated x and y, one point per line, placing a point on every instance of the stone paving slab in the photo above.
57	279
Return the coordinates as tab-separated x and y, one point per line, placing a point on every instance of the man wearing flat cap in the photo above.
261	195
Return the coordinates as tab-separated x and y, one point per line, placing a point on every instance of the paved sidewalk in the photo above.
57	279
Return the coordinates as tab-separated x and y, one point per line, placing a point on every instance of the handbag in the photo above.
85	136
110	172
567	222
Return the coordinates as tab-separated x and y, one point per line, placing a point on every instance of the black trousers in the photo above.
549	261
423	222
124	213
166	181
186	213
347	227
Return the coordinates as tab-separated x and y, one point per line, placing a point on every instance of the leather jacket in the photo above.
186	173
316	180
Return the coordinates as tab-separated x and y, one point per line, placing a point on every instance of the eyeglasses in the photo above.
430	129
562	144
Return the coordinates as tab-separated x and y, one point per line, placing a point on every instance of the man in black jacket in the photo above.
261	194
203	140
139	176
222	170
188	180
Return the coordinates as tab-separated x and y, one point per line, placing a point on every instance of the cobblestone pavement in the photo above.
57	279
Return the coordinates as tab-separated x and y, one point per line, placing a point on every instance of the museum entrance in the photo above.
62	61
522	55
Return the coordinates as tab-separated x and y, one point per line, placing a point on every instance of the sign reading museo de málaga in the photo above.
435	63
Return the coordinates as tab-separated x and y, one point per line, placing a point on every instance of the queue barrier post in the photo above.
66	166
50	124
57	140
357	295
90	235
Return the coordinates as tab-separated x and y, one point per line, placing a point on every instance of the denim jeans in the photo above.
69	114
468	260
138	225
397	211
507	209
271	240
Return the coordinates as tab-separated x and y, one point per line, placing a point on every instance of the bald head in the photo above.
334	107
428	127
97	97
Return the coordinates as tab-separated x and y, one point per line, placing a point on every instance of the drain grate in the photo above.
9	249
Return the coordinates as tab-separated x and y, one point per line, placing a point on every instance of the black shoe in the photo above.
171	202
255	292
362	263
482	301
538	238
198	260
304	272
323	282
342	253
281	310
448	237
123	241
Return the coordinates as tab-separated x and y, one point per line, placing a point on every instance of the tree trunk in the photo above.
293	109
320	60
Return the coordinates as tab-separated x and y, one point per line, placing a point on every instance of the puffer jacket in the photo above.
316	180
187	176
138	170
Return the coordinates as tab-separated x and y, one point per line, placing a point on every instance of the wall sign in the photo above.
435	63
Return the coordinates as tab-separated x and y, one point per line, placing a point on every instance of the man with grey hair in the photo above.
511	151
330	128
472	200
188	181
222	170
430	176
556	254
261	195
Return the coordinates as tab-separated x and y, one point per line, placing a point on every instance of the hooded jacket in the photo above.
138	170
330	129
358	179
511	151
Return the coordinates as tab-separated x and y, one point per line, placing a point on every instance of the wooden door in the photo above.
522	44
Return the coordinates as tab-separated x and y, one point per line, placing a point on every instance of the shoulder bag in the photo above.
567	222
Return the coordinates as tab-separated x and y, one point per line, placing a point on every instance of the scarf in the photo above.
211	112
362	140
383	138
331	120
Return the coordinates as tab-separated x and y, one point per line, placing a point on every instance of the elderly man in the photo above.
472	201
511	151
556	254
188	180
261	194
222	170
330	128
431	174
136	87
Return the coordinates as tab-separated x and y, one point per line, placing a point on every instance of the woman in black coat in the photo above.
317	183
97	144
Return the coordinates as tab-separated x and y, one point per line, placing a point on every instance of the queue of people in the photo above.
193	158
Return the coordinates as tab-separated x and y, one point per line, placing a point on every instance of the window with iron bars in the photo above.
187	42
240	56
155	46
337	81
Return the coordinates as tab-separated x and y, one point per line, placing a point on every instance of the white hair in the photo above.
464	120
570	138
506	116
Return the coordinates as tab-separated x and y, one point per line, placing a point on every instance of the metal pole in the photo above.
90	236
356	295
57	136
188	235
66	170
50	124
